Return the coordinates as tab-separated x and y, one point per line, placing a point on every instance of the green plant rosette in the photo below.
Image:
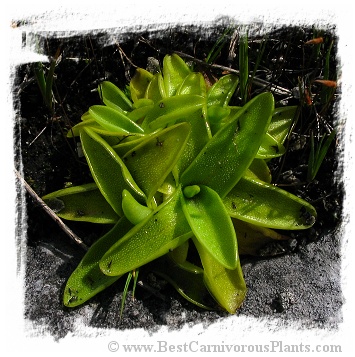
175	166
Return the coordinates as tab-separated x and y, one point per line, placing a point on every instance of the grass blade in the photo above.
125	290
243	68
317	155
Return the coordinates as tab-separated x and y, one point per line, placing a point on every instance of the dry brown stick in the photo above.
51	213
257	81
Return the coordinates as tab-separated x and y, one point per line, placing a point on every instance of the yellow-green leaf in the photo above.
108	170
81	203
175	71
211	224
223	160
114	98
139	83
164	229
152	160
87	279
113	120
266	205
226	286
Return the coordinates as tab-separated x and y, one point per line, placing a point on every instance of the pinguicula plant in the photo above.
177	170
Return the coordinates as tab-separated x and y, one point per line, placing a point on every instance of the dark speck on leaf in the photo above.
306	216
109	265
90	280
276	148
72	299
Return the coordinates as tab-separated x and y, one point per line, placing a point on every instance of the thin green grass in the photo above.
218	46
244	68
317	154
134	275
45	82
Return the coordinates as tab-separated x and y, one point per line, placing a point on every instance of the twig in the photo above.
38	135
123	55
51	213
257	81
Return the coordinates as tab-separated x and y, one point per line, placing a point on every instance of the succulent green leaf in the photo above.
194	83
191	191
270	148
211	224
91	122
198	138
221	92
255	240
216	113
161	87
215	124
139	113
113	120
179	254
169	110
226	286
168	186
223	160
87	279
132	209
152	160
128	144
175	71
259	170
108	170
164	229
155	90
233	112
187	279
81	203
143	102
281	122
86	116
140	110
139	84
215	116
113	137
266	205
75	130
114	98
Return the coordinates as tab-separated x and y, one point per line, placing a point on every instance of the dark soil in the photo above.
298	281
